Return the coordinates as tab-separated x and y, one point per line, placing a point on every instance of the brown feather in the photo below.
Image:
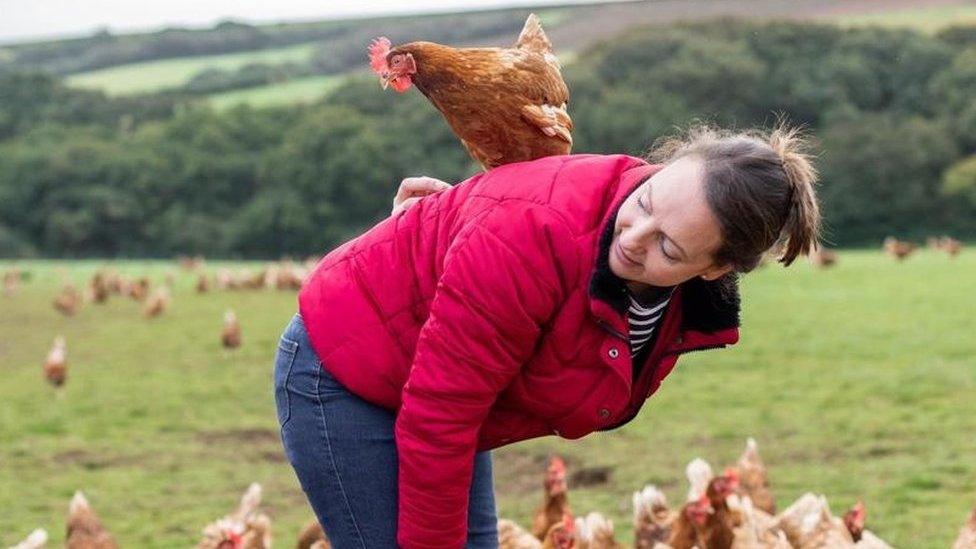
505	104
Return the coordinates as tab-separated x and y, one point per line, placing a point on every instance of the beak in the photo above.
385	79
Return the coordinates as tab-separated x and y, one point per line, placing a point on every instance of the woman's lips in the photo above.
623	256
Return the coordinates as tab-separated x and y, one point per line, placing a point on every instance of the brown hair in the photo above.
760	187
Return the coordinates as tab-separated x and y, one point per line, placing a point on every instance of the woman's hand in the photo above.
413	189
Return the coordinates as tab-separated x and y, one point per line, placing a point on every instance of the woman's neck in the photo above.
647	292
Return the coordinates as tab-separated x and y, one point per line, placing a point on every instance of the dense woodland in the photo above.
81	174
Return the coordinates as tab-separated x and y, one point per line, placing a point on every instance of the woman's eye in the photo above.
640	201
665	254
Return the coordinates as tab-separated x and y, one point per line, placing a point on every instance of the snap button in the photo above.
613	352
679	339
555	432
506	439
604	413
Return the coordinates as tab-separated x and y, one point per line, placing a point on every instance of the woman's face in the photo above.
665	232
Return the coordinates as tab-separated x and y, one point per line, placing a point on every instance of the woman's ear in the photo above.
715	271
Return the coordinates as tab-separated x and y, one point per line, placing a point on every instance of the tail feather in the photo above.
249	501
78	504
532	37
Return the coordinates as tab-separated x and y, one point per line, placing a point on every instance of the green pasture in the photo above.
857	382
925	19
153	76
299	90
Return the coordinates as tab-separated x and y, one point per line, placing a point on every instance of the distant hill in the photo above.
234	62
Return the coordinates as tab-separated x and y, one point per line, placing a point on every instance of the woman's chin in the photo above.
626	273
633	281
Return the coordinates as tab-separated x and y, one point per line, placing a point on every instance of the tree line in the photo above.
338	46
82	174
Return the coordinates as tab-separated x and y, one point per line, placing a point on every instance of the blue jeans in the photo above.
345	457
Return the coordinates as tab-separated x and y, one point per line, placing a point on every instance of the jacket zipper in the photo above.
634	410
606	325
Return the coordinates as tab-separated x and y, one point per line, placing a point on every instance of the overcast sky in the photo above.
22	20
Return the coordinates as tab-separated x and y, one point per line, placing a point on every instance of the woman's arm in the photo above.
503	278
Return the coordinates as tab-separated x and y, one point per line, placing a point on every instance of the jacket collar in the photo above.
707	307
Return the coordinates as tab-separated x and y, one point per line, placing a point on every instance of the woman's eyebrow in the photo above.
650	202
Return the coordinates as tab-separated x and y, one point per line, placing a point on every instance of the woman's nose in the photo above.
637	238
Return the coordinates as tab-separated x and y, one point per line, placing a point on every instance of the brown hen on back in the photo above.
505	104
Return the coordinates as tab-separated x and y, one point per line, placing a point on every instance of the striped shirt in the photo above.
643	319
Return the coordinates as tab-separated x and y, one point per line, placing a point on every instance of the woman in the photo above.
549	297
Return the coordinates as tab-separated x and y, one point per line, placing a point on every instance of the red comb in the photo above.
699	510
378	50
557	463
732	473
236	540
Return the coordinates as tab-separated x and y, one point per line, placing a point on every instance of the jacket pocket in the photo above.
284	359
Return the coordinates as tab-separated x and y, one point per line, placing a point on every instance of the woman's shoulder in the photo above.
575	186
526	178
600	166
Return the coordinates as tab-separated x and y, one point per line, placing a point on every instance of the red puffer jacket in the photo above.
488	314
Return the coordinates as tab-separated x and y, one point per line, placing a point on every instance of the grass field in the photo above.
168	73
301	90
858	382
926	19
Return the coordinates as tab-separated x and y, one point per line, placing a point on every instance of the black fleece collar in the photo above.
707	306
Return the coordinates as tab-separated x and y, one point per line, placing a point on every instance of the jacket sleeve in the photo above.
503	277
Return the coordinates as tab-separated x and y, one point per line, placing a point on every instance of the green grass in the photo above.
857	382
925	19
152	76
300	90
